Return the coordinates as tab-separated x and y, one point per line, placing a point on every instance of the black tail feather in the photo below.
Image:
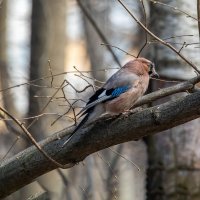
77	127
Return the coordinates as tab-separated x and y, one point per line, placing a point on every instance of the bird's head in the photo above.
149	66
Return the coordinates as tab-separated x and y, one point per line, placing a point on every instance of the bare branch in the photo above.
34	141
119	49
122	156
50	76
40	196
174	8
9	150
50	70
145	23
159	39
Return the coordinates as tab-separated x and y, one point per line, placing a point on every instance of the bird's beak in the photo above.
154	74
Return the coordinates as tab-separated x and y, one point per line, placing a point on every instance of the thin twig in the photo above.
184	45
119	49
36	116
174	8
114	189
68	182
122	156
176	36
177	43
76	90
11	147
93	87
159	39
166	80
109	165
39	196
45	106
52	77
28	134
91	78
145	23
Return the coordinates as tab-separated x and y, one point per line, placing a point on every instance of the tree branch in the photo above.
40	196
29	164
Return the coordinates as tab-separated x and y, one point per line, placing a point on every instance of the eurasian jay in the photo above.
119	93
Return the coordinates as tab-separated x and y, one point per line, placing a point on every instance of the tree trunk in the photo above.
48	42
99	11
174	165
8	135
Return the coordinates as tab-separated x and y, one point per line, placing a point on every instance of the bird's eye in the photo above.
151	66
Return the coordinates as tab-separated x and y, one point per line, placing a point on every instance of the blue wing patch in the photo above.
116	92
101	96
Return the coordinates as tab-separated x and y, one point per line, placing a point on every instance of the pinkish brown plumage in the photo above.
120	92
140	80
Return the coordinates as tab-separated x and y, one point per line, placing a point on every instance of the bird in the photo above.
119	93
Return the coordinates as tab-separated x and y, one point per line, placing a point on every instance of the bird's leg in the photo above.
107	116
135	110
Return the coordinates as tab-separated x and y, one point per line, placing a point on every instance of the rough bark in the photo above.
29	164
174	156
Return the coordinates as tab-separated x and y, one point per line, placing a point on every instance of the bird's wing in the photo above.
113	88
121	78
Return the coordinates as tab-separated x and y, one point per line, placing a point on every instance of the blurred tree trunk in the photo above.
4	141
5	79
6	98
7	134
133	182
3	57
48	42
3	33
174	166
99	11
100	14
109	17
105	185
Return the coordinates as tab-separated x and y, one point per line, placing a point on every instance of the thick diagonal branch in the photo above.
29	164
